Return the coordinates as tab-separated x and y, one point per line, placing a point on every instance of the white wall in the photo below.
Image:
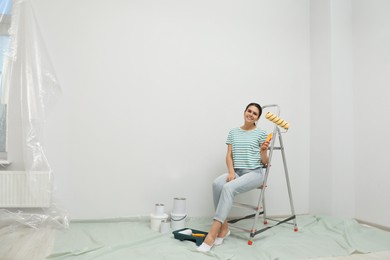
343	147
151	88
349	76
150	91
321	102
372	80
332	132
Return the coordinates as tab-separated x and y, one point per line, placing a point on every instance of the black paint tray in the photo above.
197	240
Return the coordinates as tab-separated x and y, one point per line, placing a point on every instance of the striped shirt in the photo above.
246	147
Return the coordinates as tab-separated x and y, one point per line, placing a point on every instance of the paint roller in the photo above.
280	122
188	232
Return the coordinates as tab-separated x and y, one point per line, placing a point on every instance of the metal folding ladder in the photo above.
259	209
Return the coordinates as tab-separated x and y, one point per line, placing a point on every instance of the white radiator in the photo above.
20	189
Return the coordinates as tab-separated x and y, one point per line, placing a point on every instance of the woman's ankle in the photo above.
209	240
224	230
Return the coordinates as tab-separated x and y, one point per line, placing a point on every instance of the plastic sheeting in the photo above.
27	71
318	236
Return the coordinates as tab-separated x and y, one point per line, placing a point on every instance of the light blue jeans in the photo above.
224	192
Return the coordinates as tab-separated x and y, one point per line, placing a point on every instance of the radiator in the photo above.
20	189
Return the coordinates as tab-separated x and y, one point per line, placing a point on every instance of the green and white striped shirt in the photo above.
246	147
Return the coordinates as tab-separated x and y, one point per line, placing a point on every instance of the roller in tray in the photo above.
190	234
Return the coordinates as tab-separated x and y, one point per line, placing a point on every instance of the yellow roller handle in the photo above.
268	137
280	122
198	235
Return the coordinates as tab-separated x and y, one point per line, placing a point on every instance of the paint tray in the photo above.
197	240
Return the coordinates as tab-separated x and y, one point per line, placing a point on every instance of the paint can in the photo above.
155	221
165	226
178	221
179	206
159	209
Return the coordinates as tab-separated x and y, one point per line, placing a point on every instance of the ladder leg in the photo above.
264	210
287	180
253	230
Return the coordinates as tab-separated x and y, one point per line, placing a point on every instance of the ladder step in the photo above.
232	221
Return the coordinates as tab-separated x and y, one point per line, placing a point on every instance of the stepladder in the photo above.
259	212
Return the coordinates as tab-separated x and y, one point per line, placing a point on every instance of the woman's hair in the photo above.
256	105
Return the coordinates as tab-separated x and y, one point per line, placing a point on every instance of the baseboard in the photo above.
373	224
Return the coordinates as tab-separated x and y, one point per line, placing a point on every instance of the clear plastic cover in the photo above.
26	69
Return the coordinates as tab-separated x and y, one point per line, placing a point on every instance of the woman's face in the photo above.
251	115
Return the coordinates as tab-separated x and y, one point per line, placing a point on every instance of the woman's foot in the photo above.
204	248
211	236
207	244
219	240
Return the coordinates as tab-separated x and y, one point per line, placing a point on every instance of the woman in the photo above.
245	159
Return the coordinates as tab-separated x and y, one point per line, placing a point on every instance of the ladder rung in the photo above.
232	221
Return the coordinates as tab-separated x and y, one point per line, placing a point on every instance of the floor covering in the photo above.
318	237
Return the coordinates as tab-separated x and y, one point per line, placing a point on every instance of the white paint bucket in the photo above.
179	206
155	221
178	221
159	209
165	226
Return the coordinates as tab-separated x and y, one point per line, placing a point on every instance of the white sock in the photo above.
204	248
219	240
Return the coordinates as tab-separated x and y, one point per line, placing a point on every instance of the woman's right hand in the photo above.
231	177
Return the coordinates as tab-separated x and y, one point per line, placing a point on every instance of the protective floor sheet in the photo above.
318	236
